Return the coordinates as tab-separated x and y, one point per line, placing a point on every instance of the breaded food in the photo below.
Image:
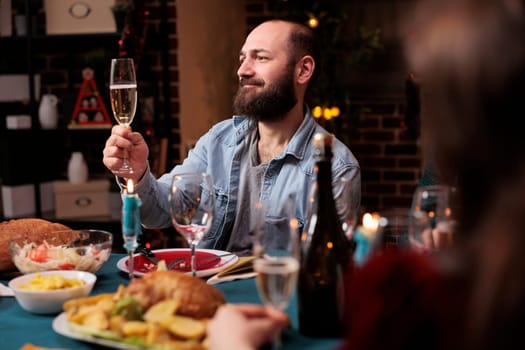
195	298
31	228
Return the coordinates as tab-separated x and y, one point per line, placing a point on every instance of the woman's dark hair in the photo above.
470	58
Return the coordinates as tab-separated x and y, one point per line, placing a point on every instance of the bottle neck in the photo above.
324	186
324	177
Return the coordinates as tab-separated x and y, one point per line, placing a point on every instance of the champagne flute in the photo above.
277	252
123	93
192	205
432	221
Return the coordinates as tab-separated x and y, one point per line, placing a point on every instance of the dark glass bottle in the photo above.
326	260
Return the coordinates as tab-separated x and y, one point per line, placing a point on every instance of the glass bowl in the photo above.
82	250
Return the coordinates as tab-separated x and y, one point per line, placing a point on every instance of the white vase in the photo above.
48	112
77	169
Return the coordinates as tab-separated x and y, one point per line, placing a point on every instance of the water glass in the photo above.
432	218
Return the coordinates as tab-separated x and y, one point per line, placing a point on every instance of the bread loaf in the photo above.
32	229
196	298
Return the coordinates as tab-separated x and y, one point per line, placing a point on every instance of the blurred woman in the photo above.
469	56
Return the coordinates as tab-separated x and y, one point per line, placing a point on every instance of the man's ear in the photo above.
305	69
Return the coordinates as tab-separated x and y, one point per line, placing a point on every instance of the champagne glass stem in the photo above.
130	264
125	164
193	262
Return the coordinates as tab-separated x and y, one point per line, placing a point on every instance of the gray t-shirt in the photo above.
251	174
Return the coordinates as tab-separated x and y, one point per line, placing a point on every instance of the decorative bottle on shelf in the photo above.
48	112
327	258
77	169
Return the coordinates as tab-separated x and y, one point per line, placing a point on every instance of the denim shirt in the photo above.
218	153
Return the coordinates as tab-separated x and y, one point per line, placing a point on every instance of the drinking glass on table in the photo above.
394	228
432	218
277	252
123	93
192	205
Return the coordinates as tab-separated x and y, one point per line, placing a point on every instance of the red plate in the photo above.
208	261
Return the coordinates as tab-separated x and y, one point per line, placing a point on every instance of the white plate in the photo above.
209	261
60	325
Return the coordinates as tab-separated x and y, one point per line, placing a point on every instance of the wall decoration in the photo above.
90	111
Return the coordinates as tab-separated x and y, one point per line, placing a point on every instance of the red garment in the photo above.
401	300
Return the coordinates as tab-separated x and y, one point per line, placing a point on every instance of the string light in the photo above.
317	112
313	22
326	112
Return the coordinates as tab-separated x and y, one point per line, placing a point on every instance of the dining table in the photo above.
19	327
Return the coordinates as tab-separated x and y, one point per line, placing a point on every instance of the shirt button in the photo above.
270	174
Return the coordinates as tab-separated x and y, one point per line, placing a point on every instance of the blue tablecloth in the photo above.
18	327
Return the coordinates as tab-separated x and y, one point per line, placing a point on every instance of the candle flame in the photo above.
129	186
370	222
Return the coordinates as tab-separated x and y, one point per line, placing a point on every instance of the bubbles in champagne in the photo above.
123	102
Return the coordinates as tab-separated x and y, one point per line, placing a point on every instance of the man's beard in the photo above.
271	104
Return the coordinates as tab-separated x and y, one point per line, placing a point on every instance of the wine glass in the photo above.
192	204
276	250
432	220
123	94
345	205
394	228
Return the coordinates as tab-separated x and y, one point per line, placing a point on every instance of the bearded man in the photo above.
263	153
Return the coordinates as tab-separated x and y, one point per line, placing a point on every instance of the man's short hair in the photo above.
303	41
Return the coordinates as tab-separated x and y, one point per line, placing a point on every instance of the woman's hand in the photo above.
244	326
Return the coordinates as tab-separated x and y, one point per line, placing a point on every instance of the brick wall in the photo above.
390	159
167	78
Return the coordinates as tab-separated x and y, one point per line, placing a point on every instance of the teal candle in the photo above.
130	220
362	247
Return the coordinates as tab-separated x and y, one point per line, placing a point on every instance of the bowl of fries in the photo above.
82	250
45	292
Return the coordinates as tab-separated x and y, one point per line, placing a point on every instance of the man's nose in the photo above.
245	69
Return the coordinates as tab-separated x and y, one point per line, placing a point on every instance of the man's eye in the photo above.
262	58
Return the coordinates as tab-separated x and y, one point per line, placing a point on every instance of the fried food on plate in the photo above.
195	298
161	310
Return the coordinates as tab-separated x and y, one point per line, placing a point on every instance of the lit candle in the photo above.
365	237
370	224
130	217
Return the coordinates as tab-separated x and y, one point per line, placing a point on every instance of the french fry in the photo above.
97	320
84	301
134	328
184	327
161	310
157	335
116	323
78	309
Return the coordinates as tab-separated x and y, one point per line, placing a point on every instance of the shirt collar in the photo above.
298	144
